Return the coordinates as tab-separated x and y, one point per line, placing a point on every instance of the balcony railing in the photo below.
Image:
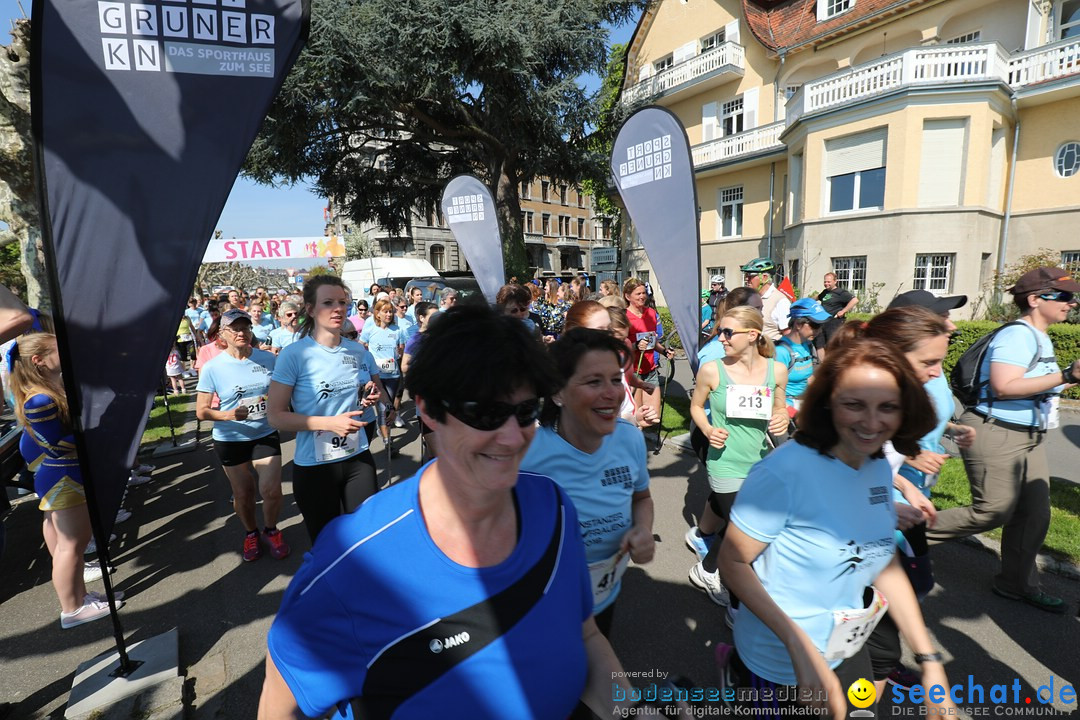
534	238
726	54
766	137
1046	63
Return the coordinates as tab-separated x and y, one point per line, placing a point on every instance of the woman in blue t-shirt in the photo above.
582	440
385	339
321	389
796	349
810	548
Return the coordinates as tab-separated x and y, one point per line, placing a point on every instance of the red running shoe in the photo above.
252	551
278	547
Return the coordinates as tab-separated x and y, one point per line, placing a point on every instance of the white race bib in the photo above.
256	407
1048	410
330	446
851	628
388	366
752	402
605	575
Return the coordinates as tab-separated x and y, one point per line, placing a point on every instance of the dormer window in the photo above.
828	9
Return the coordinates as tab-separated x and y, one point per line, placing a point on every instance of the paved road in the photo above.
178	561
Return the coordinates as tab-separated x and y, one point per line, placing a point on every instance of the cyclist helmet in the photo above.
759	265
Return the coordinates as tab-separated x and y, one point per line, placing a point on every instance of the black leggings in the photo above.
322	492
884	642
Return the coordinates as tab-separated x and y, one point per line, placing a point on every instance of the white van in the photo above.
360	274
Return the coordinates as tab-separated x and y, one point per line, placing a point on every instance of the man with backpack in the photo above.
1010	385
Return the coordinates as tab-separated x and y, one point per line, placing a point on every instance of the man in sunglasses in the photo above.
1006	463
289	330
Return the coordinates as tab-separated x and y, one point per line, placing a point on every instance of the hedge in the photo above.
1065	336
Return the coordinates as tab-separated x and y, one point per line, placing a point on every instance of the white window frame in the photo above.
790	90
1060	156
856	192
1059	29
850	272
968	37
664	63
529	221
934	272
828	9
526	191
582	228
730	198
545	224
719	270
713	40
735	111
1070	260
545	191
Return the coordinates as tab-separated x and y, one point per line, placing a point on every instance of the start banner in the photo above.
254	249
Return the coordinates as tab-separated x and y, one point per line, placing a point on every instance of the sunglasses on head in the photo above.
1059	296
492	415
728	332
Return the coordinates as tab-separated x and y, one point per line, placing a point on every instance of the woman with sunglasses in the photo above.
1006	465
361	315
796	351
249	449
319	390
289	331
385	339
810	549
745	395
581	439
464	586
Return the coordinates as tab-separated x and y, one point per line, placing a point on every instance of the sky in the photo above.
261	211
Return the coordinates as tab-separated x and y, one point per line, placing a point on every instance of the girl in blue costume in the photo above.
48	446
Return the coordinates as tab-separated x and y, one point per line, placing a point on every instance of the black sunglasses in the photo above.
492	415
1060	296
728	332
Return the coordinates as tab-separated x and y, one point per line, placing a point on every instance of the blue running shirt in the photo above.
239	382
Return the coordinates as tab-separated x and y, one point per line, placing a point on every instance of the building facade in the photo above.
917	144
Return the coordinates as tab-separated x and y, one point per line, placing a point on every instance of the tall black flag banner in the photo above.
143	112
654	174
470	212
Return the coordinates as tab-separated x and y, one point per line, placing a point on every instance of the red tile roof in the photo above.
786	24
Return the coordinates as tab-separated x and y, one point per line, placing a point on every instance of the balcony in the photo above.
723	63
568	241
534	238
739	145
1049	62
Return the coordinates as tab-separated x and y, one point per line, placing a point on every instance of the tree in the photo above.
18	192
391	98
612	113
358	245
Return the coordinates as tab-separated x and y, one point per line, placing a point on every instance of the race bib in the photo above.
330	446
1048	410
184	338
605	575
388	366
752	402
256	407
851	628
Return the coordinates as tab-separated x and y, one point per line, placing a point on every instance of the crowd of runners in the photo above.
489	578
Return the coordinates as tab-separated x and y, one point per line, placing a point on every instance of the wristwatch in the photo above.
929	657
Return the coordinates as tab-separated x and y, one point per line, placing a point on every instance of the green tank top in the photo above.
746	443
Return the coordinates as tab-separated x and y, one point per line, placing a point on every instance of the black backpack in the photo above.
964	378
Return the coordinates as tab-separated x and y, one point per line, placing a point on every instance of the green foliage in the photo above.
671	335
611	115
317	270
868	298
392	98
1004	310
676	419
183	412
10	271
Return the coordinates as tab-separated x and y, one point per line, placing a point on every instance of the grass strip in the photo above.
183	412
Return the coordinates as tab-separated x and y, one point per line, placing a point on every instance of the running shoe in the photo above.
144	469
398	422
1038	599
91	610
91	548
122	515
730	616
92	571
710	583
101	597
904	677
136	480
699	543
279	549
252	551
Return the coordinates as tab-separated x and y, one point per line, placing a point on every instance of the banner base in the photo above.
96	686
167	448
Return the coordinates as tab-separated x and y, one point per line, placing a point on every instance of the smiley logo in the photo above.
862	693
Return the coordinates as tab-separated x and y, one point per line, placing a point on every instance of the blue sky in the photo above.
254	211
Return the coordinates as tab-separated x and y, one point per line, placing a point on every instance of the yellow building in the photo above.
918	144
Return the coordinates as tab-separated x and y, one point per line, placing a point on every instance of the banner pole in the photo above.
168	412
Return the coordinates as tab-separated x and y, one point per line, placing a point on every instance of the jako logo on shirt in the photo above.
437	646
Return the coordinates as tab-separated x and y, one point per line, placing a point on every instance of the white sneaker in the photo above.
398	422
91	610
122	515
92	571
144	469
92	547
101	597
710	583
136	480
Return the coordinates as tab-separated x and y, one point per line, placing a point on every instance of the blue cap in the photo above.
809	308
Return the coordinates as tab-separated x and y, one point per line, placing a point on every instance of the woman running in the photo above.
745	395
315	391
385	339
645	338
249	449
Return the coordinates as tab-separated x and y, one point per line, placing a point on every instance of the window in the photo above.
562	194
438	257
933	272
711	271
791	90
528	221
545	191
855	171
941	171
643	275
538	257
711	42
581	227
546	220
1067	159
1070	260
526	191
850	272
732	120
570	259
731	212
827	9
973	36
580	197
1068	15
664	63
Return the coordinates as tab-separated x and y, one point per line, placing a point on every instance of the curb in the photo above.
1046	563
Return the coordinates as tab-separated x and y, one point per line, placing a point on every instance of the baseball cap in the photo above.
232	316
928	300
717	279
1044	278
809	308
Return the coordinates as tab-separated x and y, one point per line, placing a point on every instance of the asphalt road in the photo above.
178	561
